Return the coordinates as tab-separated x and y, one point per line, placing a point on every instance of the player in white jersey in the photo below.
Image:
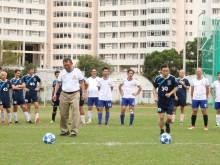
199	95
93	93
128	95
216	85
105	86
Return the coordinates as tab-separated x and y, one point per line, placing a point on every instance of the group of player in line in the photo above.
18	85
172	93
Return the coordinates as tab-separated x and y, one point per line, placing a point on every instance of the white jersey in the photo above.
93	89
129	87
70	80
105	86
216	85
199	88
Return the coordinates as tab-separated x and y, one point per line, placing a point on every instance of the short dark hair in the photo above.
130	70
164	66
66	59
218	73
93	68
31	67
105	68
0	68
17	70
57	71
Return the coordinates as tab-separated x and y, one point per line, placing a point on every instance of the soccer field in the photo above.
22	143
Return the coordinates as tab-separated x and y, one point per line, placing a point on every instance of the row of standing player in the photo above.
99	93
172	93
29	84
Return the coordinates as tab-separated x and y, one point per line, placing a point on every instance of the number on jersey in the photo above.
5	89
32	84
164	88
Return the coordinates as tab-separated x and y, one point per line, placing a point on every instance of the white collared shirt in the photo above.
199	88
105	85
129	87
216	85
70	80
93	89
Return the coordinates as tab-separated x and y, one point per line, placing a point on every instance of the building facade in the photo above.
25	21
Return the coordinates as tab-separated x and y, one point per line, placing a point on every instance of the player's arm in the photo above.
155	94
120	90
39	86
173	91
55	90
185	86
86	86
22	86
212	93
15	87
139	90
207	92
192	91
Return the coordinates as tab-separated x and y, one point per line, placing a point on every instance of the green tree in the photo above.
191	56
154	60
87	62
26	66
9	59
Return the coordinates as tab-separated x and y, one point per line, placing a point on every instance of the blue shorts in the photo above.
127	101
201	103
92	100
166	107
56	102
106	104
33	97
5	103
18	101
217	105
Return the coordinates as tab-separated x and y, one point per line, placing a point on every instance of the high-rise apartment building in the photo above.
72	30
25	21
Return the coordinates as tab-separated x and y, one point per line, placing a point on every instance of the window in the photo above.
190	22
203	1
122	23
20	11
115	35
142	56
41	12
122	56
190	33
203	11
142	34
101	46
143	1
135	23
6	20
41	23
146	94
190	11
203	22
135	34
143	23
135	12
191	1
135	2
143	12
122	2
28	11
143	45
114	2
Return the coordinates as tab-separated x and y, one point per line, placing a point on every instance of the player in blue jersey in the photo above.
180	96
18	85
2	111
5	85
31	89
128	95
167	86
56	103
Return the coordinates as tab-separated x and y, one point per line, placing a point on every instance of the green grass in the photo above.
22	144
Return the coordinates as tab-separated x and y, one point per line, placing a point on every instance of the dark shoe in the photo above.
161	132
130	125
73	135
65	134
29	122
16	122
167	127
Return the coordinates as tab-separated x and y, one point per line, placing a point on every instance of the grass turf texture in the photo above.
114	144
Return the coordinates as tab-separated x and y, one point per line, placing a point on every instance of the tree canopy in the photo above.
87	62
154	60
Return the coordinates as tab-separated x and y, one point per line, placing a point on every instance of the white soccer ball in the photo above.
165	138
49	138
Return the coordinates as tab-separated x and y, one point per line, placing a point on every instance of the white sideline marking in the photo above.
120	144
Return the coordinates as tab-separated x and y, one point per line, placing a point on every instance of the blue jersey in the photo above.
165	85
4	89
59	89
31	83
181	92
17	82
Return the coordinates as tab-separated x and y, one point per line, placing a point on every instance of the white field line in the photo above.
117	143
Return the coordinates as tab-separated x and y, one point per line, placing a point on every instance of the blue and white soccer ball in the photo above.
49	138
165	138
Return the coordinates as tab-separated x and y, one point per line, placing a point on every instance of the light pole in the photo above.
198	42
184	38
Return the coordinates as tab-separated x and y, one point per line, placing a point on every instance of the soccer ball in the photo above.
165	138
49	138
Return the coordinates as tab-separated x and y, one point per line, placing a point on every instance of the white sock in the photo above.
182	117
36	116
83	118
218	120
15	116
3	115
173	118
9	117
89	115
29	115
26	116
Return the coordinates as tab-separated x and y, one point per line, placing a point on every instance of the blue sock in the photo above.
131	119
100	118
122	116
107	114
